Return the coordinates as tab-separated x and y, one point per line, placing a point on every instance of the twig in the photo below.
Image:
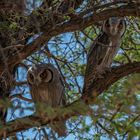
20	97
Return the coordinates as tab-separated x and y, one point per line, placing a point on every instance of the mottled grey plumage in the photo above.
46	86
105	47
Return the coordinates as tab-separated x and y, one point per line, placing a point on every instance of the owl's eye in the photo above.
120	24
43	75
107	24
31	78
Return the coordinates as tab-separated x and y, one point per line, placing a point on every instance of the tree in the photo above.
60	32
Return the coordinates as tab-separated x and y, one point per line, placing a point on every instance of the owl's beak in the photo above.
114	31
36	82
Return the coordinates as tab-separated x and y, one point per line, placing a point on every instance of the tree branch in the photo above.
20	97
100	85
78	23
45	15
96	87
92	15
76	108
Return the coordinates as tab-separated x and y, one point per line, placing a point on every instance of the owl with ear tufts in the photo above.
46	87
104	48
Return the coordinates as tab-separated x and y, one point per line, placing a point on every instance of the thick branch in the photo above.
77	23
45	16
66	3
44	23
77	108
99	85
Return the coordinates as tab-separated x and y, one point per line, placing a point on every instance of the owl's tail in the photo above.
59	128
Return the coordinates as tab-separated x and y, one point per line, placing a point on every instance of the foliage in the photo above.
115	114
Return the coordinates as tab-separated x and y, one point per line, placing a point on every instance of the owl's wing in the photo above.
98	49
95	57
96	53
62	99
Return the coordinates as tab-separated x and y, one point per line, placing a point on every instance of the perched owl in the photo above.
46	86
105	47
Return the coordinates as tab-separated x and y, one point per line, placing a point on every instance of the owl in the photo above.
46	86
105	47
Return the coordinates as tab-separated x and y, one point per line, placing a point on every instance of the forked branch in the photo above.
77	108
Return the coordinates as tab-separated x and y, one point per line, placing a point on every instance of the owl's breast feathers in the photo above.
51	94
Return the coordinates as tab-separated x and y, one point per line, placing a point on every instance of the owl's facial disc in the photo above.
114	26
46	75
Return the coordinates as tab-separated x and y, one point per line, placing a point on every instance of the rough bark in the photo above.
78	107
112	75
78	22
